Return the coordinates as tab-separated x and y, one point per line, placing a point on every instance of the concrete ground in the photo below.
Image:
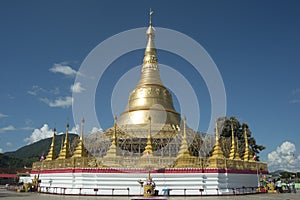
9	195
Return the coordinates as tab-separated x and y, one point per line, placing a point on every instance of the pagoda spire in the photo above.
217	152
51	155
184	158
149	92
150	70
247	153
111	158
233	151
184	148
80	151
148	149
112	151
64	152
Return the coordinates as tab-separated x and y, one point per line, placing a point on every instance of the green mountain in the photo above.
28	154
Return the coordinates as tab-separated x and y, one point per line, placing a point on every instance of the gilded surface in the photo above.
150	97
153	162
137	142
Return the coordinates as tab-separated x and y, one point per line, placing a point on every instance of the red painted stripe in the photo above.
8	176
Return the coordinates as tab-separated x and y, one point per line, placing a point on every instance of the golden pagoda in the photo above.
148	149
234	154
148	138
111	158
150	108
184	157
247	151
217	159
64	152
149	93
80	151
51	155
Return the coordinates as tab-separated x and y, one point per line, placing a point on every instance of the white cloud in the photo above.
1	150
283	158
10	96
96	130
9	144
39	134
7	128
2	115
294	101
63	102
45	132
35	90
27	128
75	129
64	69
77	88
55	91
296	91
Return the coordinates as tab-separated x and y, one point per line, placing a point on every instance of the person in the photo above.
293	186
279	186
288	187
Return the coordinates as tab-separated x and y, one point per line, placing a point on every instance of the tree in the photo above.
238	130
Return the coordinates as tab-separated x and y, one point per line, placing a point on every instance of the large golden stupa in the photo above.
150	113
150	98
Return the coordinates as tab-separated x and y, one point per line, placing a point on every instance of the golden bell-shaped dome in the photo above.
150	98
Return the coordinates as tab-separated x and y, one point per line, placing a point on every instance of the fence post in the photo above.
95	190
201	190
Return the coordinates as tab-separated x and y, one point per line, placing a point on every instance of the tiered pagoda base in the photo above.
169	181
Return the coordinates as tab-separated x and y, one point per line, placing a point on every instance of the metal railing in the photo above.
166	192
81	191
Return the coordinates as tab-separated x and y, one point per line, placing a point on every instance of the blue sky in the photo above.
255	45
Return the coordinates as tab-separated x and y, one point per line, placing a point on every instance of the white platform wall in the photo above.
123	183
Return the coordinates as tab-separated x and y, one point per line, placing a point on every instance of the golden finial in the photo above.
184	127
115	131
82	128
217	131
150	13
149	136
115	120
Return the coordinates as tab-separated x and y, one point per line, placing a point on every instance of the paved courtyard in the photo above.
9	195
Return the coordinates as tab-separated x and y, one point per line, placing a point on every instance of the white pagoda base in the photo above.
172	181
